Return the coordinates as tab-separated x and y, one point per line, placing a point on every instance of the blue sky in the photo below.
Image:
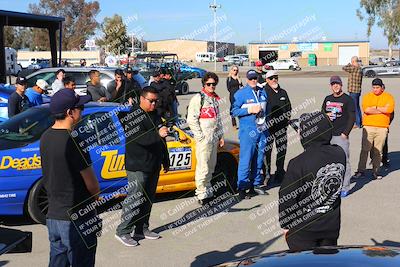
239	20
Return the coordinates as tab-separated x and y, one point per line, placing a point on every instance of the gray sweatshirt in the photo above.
97	91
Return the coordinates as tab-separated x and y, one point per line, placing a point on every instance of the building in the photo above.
187	49
73	57
324	52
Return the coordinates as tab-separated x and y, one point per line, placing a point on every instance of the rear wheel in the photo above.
225	174
38	202
370	73
184	88
292	68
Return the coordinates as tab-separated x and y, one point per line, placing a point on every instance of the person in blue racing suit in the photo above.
250	105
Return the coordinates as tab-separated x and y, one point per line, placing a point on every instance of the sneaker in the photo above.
243	195
205	201
148	234
258	190
377	176
358	174
344	194
127	240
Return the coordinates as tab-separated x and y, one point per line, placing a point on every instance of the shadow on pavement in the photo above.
388	243
3	263
217	257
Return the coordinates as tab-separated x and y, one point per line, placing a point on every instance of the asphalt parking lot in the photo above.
230	229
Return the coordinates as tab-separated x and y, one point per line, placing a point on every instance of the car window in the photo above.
24	128
98	130
105	79
80	77
49	77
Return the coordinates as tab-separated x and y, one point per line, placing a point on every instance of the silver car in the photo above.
81	76
389	68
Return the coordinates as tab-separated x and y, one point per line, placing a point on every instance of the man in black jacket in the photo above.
172	100
309	197
145	152
163	109
279	109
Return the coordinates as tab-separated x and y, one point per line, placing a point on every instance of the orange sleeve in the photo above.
365	102
390	101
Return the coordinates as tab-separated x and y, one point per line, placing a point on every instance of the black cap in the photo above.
251	74
66	99
21	81
156	73
129	70
378	82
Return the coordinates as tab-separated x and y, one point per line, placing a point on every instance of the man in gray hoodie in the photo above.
95	89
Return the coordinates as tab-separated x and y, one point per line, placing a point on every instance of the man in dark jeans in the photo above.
279	112
354	86
145	152
71	186
309	197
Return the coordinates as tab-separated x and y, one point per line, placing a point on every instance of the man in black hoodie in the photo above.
279	111
309	197
145	152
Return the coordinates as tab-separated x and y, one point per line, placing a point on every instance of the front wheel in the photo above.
225	174
370	74
184	90
38	202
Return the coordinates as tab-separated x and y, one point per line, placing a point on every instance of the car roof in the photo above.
91	105
70	69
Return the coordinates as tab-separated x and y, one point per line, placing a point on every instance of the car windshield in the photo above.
24	128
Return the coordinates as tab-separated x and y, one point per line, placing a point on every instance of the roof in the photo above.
154	55
184	39
12	18
302	42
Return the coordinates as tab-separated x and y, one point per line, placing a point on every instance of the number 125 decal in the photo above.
180	158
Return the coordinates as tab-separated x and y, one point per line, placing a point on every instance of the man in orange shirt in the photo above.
377	107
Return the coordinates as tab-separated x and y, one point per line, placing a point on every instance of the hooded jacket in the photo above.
309	197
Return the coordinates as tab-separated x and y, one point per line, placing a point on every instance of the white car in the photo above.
284	64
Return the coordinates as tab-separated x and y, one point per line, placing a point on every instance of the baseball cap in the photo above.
66	99
271	73
42	84
336	79
378	82
251	74
21	81
258	63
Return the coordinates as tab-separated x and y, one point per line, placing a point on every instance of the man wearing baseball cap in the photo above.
70	182
35	93
340	109
250	105
377	107
259	69
17	101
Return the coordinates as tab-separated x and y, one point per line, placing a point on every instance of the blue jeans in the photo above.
67	247
356	99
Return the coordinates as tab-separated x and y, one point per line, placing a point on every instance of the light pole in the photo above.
214	7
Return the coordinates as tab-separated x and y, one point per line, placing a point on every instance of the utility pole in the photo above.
259	25
214	7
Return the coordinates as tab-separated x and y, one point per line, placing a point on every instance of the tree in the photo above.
115	38
387	15
240	49
17	37
78	26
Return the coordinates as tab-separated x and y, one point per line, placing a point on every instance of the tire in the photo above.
195	75
184	90
38	202
292	68
370	74
226	169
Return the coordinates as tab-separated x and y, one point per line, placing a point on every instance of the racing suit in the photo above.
205	122
252	136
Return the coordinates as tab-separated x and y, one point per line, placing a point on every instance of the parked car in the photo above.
237	60
81	75
195	72
344	256
284	64
388	68
22	189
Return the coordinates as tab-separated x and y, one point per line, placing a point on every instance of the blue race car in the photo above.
101	133
196	72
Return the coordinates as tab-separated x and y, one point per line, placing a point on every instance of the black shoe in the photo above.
258	190
243	195
205	201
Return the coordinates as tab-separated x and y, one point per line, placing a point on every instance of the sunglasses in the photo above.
211	84
235	70
252	79
273	77
152	101
335	83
